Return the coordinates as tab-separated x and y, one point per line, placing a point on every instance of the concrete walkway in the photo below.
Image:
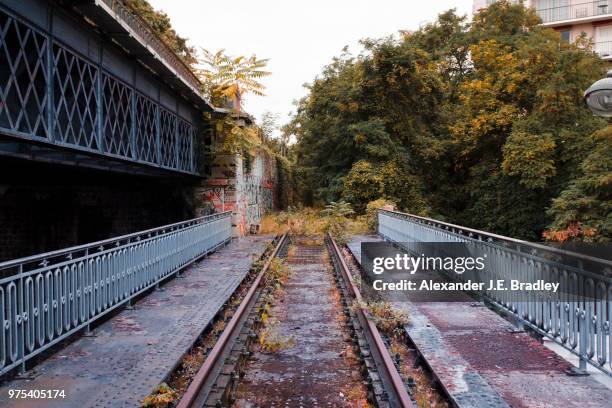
134	351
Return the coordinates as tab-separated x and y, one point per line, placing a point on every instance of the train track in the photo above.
216	382
395	392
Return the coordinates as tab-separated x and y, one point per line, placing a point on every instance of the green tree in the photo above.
336	215
363	184
160	23
225	79
478	123
228	78
583	210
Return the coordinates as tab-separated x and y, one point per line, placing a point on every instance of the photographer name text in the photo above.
469	285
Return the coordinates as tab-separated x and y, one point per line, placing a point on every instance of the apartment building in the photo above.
573	17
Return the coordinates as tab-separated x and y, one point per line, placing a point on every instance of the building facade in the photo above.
571	18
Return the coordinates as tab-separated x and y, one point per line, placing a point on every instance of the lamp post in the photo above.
599	96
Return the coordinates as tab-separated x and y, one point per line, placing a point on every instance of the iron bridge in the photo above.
88	83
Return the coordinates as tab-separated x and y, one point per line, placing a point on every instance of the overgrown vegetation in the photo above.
425	390
227	79
388	319
271	339
162	396
336	220
311	221
479	123
160	23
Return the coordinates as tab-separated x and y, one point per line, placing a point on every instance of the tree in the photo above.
231	78
583	210
269	124
480	123
160	23
520	106
228	78
336	214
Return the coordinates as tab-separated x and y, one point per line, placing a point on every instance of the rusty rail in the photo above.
398	395
195	392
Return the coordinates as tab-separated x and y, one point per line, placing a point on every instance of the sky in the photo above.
299	37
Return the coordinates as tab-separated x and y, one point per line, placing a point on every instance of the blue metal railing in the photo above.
577	317
46	298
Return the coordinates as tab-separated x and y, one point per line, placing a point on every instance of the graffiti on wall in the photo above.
258	197
247	192
214	199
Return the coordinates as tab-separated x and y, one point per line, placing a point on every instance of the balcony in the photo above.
604	49
574	13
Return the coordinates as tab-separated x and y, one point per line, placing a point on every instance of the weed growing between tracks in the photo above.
169	393
388	320
391	322
357	394
424	388
162	396
270	338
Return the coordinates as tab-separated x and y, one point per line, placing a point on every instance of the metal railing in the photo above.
603	48
577	316
574	11
46	298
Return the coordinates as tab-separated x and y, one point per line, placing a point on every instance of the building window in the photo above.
565	36
603	40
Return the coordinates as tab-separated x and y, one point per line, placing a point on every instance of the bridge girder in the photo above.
82	78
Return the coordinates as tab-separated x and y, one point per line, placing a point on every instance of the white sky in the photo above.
299	37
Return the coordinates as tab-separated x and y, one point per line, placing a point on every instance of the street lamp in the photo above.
599	96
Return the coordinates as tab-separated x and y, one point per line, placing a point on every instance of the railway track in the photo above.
314	373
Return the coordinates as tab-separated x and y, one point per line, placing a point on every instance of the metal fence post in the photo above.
50	78
582	347
20	320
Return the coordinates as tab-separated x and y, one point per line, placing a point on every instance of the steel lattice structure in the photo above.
57	96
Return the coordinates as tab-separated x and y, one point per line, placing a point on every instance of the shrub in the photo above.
372	212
